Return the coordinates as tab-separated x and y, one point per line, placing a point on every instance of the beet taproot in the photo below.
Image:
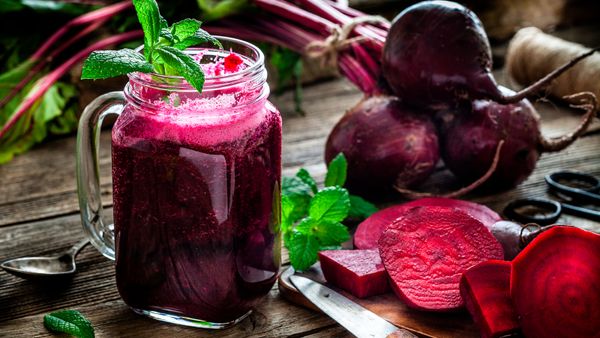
359	272
385	143
368	231
514	237
470	139
426	252
555	284
485	289
437	54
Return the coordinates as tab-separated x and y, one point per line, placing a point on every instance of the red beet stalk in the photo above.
47	81
93	19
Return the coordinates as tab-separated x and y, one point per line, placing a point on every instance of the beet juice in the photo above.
196	190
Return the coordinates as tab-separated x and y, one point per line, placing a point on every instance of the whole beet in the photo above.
437	54
385	144
470	138
470	141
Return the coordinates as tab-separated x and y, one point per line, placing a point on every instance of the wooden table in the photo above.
39	215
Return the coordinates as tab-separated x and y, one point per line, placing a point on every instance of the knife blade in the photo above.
359	321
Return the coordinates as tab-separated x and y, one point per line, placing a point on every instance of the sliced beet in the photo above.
485	289
359	272
426	252
368	232
555	284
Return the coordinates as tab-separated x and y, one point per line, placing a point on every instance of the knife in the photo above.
359	321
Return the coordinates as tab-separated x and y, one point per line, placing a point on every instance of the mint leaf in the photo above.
185	28
360	208
304	175
183	64
151	21
303	250
110	63
331	233
294	186
287	210
69	321
330	204
336	171
200	36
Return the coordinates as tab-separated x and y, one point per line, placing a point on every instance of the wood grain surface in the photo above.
39	215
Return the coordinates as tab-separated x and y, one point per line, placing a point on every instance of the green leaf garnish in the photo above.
360	208
305	177
183	64
110	63
336	171
149	17
69	321
163	47
330	204
311	218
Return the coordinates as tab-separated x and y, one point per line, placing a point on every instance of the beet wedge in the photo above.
555	284
368	232
426	252
359	272
485	289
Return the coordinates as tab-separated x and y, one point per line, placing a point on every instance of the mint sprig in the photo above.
69	321
163	46
311	219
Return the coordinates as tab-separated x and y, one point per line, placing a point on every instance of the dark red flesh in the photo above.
368	232
555	284
437	53
385	143
485	289
359	272
426	252
469	142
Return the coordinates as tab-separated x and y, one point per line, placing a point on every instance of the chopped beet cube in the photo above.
485	289
359	272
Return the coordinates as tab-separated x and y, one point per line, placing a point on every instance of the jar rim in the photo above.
178	83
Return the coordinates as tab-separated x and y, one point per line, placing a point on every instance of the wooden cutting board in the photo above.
389	307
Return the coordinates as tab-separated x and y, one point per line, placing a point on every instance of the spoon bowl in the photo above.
51	266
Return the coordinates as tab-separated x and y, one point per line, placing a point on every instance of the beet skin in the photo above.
385	144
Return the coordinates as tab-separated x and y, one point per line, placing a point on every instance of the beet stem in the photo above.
47	81
462	191
543	82
561	142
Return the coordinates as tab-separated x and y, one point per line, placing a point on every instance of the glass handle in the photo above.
100	234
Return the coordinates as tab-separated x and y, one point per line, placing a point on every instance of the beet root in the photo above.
485	289
426	252
385	143
359	272
469	142
555	284
514	237
368	232
416	70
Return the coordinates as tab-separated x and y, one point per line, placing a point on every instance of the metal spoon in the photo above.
54	266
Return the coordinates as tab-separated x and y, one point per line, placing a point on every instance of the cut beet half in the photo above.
368	232
426	252
359	272
485	289
555	284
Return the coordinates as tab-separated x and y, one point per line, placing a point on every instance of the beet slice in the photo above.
368	232
359	272
426	252
555	284
485	289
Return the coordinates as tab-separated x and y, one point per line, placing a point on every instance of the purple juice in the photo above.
196	195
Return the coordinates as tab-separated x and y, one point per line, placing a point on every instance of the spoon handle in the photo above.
77	247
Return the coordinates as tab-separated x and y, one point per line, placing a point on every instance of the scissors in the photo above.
558	183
